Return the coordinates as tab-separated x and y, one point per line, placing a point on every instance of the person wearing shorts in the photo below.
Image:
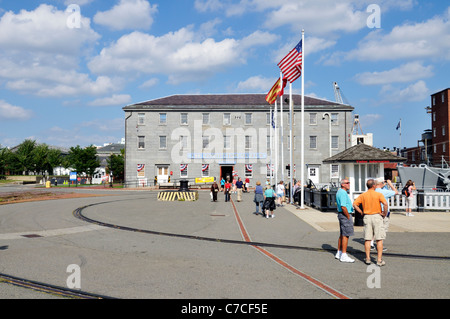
345	209
371	202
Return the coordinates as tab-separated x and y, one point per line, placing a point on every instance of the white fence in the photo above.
426	201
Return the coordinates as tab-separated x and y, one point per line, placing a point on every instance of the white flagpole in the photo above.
291	146
271	145
400	149
282	132
302	164
277	146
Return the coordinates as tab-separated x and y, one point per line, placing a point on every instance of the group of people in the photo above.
374	207
266	199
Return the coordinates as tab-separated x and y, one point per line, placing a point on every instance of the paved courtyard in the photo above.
139	247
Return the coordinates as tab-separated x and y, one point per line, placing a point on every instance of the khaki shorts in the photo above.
373	227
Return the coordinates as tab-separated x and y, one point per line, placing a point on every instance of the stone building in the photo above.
214	135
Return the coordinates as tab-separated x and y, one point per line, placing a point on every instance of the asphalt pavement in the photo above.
144	248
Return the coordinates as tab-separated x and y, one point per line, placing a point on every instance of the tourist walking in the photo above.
239	186
269	202
410	199
345	209
259	198
373	219
222	184
214	191
227	190
280	193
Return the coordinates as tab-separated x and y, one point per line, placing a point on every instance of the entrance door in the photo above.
313	173
163	174
226	172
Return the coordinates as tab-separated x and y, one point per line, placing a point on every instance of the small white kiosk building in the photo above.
360	163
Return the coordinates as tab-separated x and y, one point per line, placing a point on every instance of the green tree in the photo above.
83	160
116	164
25	156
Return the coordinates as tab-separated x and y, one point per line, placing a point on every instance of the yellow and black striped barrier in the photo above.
177	195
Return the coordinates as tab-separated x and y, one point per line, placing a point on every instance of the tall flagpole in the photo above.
400	149
282	132
276	144
302	164
271	145
291	148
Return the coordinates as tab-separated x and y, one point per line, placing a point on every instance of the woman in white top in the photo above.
280	193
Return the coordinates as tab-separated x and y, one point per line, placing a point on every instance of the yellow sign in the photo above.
204	180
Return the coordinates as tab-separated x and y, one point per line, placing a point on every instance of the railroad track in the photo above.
50	289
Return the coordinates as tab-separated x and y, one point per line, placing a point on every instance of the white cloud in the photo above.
405	73
413	93
429	39
12	112
128	14
256	84
116	99
179	55
40	54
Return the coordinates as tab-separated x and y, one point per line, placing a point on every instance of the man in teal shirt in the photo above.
344	208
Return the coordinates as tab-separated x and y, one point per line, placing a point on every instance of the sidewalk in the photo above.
420	222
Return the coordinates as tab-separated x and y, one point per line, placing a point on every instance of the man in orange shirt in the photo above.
373	219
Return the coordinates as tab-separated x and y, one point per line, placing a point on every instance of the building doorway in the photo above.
226	172
163	173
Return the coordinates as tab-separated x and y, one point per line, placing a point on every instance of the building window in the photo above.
205	118
183	142
162	142
205	142
443	130
227	142
443	97
248	142
313	142
434	100
312	118
289	119
434	116
289	142
141	142
184	119
248	118
334	171
268	170
141	118
334	119
267	118
205	170
248	170
226	118
443	148
434	132
162	118
183	170
335	142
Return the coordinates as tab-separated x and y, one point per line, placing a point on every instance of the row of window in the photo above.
313	142
248	118
249	168
443	131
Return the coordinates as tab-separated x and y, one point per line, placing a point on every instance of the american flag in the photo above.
140	167
291	64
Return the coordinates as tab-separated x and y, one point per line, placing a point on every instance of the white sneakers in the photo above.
343	257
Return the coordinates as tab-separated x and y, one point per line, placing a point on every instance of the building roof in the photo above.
238	101
110	148
363	153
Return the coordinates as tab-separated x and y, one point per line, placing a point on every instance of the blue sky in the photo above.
65	75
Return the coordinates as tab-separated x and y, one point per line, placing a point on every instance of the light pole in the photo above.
329	127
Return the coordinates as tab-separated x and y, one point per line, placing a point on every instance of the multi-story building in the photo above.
440	121
195	136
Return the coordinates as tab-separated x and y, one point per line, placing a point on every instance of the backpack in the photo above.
405	191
